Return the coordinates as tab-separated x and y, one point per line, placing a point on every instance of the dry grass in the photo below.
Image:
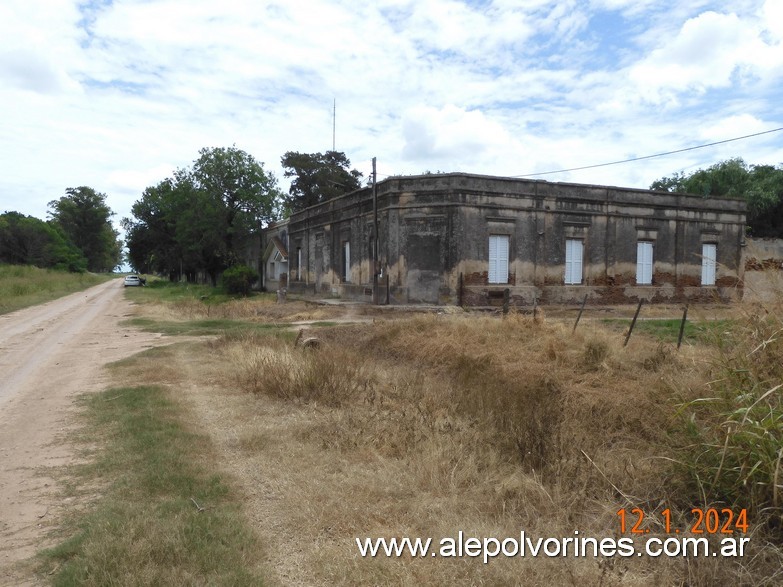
426	426
448	423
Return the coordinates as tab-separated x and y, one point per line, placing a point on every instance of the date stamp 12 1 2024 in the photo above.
704	521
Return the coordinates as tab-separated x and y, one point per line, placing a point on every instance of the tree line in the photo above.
77	237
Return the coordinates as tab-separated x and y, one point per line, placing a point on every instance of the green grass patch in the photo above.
164	517
22	286
162	291
668	330
203	327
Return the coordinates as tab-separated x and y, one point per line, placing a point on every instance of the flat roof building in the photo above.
459	238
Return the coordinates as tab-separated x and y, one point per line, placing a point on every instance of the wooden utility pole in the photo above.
374	233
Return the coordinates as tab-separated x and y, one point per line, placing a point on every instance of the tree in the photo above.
202	219
761	186
151	240
26	240
242	195
318	177
84	217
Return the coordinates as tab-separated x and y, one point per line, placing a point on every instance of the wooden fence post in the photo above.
682	326
579	315
633	322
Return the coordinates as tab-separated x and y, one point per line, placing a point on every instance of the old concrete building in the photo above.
463	239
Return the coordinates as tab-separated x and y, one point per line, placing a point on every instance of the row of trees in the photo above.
78	236
203	218
761	186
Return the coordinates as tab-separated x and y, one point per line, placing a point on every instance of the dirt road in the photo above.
49	354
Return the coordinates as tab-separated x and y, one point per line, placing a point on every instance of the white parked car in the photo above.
133	280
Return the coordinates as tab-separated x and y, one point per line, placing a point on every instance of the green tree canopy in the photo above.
318	177
26	240
242	194
202	219
151	239
761	186
85	217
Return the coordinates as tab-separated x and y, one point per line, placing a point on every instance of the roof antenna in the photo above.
334	122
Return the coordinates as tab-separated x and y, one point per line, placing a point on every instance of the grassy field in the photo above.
431	425
22	285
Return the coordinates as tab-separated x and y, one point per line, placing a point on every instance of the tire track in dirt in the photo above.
49	354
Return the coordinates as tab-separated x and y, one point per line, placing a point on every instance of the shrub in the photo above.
239	279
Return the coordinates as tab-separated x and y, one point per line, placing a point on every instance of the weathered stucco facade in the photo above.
463	239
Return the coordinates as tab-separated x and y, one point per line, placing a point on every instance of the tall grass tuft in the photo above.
736	454
271	366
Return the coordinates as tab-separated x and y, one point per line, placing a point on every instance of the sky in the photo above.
118	94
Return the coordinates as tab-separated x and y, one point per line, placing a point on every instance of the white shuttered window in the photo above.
347	261
644	263
573	262
709	257
498	258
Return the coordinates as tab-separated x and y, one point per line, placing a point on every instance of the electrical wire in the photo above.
650	156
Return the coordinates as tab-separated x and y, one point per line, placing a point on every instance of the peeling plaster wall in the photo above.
434	231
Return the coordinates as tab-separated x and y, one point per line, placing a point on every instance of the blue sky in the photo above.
118	94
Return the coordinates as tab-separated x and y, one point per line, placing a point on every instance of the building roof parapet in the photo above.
490	185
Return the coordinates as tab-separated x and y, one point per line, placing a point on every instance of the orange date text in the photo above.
703	521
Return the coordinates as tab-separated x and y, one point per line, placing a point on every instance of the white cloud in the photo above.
450	134
117	95
703	55
772	13
710	51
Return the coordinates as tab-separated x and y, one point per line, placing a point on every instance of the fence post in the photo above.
579	315
682	326
633	322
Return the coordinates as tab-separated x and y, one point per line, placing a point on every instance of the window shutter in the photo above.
644	263
573	262
709	257
498	259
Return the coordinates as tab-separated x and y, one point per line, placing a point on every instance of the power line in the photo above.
649	156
